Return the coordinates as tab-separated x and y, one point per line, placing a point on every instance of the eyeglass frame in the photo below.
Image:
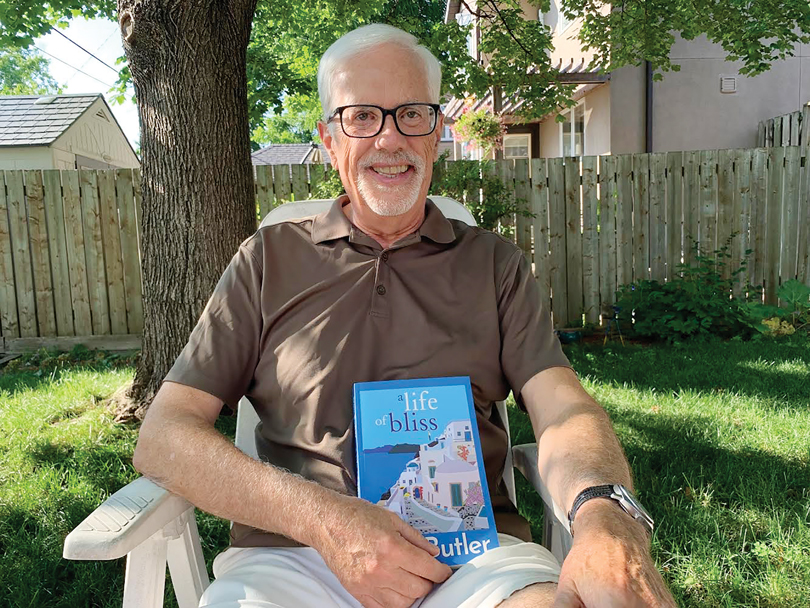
385	113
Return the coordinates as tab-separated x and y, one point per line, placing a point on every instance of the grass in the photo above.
718	436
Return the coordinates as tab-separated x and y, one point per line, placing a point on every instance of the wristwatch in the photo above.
621	495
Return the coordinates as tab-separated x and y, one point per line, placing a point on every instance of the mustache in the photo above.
399	158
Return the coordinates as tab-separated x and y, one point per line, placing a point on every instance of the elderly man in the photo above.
383	287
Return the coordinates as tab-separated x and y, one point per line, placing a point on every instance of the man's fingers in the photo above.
415	538
425	565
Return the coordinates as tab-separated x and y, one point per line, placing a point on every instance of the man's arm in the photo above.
379	559
609	563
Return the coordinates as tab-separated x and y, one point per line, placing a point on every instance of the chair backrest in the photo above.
247	419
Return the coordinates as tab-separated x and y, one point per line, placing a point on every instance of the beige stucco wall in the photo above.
627	101
26	157
97	138
690	112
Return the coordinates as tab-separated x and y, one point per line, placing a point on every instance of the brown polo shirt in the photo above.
308	307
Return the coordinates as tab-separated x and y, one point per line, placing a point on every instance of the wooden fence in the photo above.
69	258
69	243
786	130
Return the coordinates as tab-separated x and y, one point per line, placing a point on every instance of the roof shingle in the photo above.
23	122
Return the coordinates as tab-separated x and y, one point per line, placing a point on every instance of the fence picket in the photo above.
523	223
40	258
57	245
795	119
725	203
774	224
790	215
590	240
21	252
9	323
316	176
79	292
111	241
759	214
658	216
624	220
264	190
741	215
573	240
299	182
777	132
556	236
281	183
803	253
674	212
133	287
607	230
94	253
539	207
641	216
708	200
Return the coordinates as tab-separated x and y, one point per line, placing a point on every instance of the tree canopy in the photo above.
23	73
289	36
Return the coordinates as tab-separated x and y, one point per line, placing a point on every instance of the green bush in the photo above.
696	302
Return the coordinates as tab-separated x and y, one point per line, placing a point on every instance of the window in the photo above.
447	134
517	146
563	22
466	19
572	131
432	472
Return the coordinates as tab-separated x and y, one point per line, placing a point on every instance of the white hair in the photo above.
362	40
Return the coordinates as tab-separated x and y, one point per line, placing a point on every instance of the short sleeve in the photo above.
223	350
528	342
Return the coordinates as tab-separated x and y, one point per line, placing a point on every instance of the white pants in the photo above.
284	577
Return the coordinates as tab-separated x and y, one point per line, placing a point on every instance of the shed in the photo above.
62	132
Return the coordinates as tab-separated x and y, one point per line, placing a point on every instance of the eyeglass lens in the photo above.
363	121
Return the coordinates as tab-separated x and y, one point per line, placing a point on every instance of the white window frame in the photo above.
447	134
563	22
527	136
569	113
472	37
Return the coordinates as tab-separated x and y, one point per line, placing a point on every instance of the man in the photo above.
382	287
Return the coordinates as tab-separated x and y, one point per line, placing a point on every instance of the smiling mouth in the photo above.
391	171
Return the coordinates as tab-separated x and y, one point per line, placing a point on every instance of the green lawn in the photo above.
718	436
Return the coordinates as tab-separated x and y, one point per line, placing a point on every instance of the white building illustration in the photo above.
440	489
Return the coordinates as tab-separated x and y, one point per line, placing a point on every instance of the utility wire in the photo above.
73	67
86	61
84	49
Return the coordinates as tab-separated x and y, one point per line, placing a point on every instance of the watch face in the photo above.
632	506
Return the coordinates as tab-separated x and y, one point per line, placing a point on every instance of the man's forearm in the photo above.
580	450
187	456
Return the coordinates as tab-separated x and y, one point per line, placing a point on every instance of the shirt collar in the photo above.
333	224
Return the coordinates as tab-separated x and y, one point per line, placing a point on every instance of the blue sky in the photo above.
103	39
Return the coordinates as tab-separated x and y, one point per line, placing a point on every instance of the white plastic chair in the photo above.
154	527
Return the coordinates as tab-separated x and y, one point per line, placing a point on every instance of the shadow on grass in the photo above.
711	505
775	371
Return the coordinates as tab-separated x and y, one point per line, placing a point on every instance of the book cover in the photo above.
418	454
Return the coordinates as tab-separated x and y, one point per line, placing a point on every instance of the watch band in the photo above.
618	493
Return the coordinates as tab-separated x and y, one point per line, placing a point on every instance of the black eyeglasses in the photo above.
410	119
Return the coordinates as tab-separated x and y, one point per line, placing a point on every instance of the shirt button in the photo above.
385	256
381	289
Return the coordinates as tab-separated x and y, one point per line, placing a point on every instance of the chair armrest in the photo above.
525	459
126	519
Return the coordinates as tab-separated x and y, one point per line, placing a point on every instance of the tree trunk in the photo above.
188	65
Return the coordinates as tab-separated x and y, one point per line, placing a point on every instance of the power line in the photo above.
86	61
85	50
73	67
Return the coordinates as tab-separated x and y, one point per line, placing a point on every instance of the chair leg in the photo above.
187	565
146	574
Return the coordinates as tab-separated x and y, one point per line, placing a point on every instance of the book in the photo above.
419	455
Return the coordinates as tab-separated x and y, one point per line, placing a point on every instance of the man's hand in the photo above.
377	557
609	565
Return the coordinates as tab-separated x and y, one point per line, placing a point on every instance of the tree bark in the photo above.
188	65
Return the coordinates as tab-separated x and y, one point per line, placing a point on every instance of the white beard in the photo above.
389	201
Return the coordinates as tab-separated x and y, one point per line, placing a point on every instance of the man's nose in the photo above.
389	138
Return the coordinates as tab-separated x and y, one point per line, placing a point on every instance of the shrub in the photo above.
698	301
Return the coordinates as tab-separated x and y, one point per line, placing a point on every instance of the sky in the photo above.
67	62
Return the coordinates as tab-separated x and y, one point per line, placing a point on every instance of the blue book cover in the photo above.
418	454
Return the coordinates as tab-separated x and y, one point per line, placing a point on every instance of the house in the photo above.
62	132
290	154
706	105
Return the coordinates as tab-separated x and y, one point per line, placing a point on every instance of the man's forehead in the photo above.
386	73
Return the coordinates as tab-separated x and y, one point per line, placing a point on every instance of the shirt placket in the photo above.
380	294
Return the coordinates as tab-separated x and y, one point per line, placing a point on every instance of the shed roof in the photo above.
37	120
287	154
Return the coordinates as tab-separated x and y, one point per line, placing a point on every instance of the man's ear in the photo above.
328	142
